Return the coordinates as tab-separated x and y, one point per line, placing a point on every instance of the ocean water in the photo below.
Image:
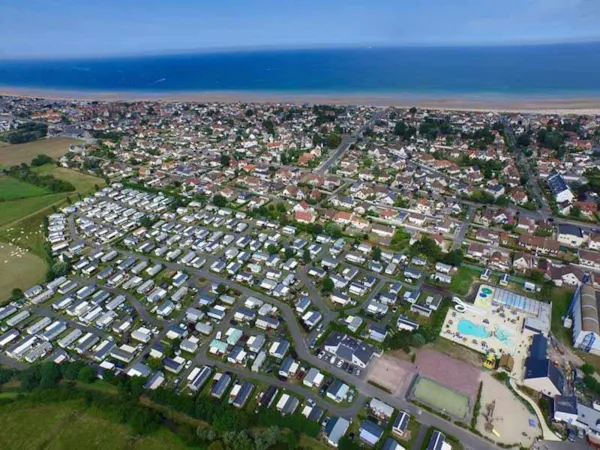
544	70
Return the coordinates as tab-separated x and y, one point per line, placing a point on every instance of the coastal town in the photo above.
388	278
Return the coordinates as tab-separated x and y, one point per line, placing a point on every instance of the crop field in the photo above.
71	426
11	189
19	268
11	155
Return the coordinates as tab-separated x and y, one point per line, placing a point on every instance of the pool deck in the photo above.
506	320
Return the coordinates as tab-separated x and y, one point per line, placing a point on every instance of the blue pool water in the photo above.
502	334
468	328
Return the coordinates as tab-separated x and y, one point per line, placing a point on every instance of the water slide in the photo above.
462	306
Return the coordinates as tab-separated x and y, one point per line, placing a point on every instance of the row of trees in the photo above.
231	428
432	251
225	419
331	140
23	173
25	132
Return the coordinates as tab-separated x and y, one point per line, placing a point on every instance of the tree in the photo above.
400	239
146	221
328	284
225	160
400	128
427	247
576	211
453	257
331	229
272	249
269	126
289	253
16	294
417	340
87	375
219	200
40	160
334	140
71	370
50	374
376	254
305	256
30	378
221	289
588	369
154	363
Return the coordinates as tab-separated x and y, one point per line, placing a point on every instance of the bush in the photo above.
588	369
501	376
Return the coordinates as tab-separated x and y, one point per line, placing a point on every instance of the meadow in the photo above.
11	155
72	425
11	189
18	269
12	211
21	224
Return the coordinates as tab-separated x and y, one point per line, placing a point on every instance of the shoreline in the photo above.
578	104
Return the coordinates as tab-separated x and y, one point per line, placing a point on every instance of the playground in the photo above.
440	397
502	412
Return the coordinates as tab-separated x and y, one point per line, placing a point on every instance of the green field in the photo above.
463	279
561	300
440	397
27	233
11	211
11	188
17	209
21	224
18	269
71	426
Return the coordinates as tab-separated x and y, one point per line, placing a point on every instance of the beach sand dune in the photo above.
494	103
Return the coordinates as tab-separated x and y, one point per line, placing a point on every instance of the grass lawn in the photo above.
561	299
12	188
83	183
312	443
11	155
27	233
463	279
70	426
18	269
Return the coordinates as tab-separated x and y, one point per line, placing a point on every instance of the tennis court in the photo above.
440	397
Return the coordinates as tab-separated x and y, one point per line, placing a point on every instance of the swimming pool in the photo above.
503	335
468	328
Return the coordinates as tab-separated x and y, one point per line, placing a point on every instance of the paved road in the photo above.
347	141
364	389
464	227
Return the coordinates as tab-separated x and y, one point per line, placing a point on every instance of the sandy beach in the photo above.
492	103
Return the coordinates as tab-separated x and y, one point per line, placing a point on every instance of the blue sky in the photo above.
49	28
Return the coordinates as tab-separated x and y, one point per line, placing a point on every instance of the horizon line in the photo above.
324	47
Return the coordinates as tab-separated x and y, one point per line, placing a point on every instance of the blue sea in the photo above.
565	70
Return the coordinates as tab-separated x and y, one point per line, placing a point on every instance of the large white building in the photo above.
560	189
585	319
